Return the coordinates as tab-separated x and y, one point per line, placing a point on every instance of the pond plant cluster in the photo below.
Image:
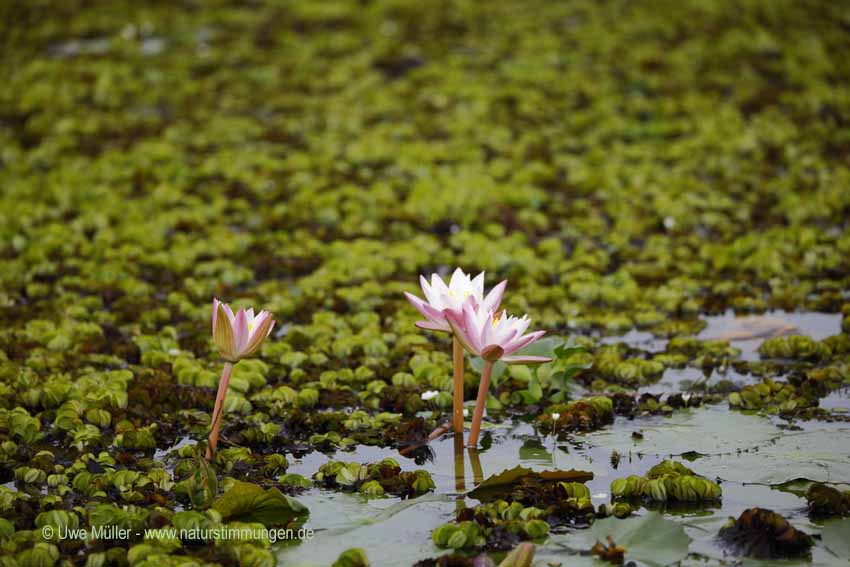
632	169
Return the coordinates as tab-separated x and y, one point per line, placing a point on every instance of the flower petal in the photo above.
240	330
455	321
262	329
431	326
424	308
524	341
223	335
494	298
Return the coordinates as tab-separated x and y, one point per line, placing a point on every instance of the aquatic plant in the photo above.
668	481
494	337
764	534
442	299
236	336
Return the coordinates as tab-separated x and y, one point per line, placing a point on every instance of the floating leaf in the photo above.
649	539
246	502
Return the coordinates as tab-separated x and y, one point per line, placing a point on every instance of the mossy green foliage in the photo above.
625	165
667	482
374	480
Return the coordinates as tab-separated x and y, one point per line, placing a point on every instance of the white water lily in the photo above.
430	395
441	298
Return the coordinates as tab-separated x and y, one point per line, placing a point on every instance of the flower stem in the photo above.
457	411
218	410
478	415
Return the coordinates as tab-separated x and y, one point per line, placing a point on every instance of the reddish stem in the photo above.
218	410
480	401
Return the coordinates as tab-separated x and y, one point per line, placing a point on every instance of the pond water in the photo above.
730	447
749	331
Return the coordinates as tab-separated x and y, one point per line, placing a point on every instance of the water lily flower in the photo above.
556	416
494	337
430	395
442	299
239	336
236	336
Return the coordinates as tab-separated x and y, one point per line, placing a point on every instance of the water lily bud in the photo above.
240	335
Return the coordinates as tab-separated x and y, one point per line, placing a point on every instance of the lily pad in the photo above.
247	502
649	539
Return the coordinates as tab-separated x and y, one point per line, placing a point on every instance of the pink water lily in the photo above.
441	298
494	335
238	336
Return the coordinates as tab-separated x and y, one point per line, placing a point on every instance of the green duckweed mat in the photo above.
665	184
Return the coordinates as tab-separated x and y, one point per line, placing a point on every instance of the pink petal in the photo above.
494	298
240	328
431	326
473	331
427	289
524	341
478	284
261	331
456	323
428	311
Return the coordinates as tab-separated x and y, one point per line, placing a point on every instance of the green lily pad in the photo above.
649	539
246	502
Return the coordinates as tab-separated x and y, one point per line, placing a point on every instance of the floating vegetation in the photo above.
764	534
667	481
827	501
663	189
374	480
